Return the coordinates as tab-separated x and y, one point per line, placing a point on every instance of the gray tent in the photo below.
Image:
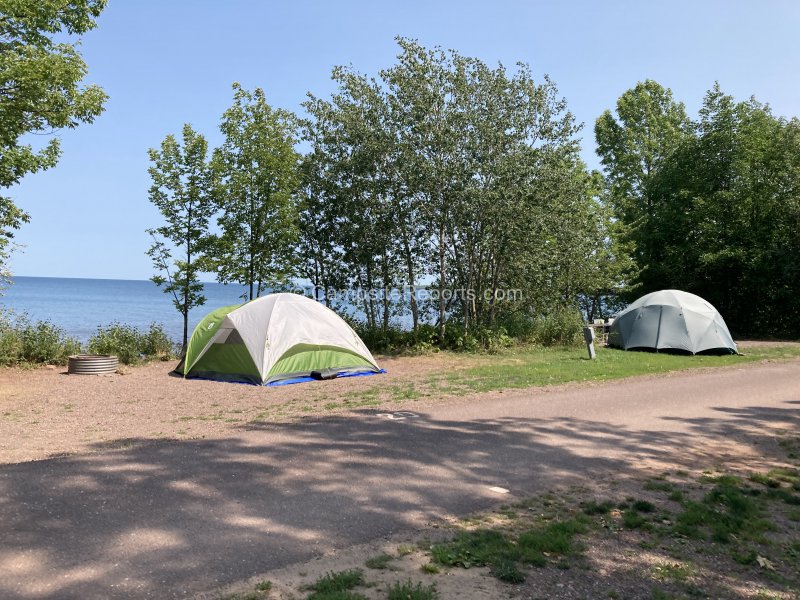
671	319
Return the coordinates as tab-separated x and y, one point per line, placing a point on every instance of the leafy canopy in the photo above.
40	90
181	190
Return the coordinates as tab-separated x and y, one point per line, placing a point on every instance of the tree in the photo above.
40	90
485	155
714	210
733	191
353	167
319	259
181	190
446	169
257	171
633	146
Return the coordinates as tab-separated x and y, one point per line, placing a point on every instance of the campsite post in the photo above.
588	335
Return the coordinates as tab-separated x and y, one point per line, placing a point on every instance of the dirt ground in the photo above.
45	412
614	561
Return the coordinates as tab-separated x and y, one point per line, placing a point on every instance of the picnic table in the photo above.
601	329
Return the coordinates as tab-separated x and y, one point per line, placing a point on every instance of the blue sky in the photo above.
167	62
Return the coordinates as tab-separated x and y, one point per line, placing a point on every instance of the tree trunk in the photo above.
185	307
442	269
411	284
370	301
385	274
184	346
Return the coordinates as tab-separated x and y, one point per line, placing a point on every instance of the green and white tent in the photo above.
674	320
280	338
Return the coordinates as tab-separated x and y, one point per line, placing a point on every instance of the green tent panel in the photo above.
304	358
204	333
272	339
229	362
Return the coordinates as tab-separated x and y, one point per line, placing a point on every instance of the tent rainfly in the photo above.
671	319
274	340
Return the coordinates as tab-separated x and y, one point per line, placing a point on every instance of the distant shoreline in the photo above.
13	277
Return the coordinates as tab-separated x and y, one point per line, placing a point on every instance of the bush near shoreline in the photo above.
25	342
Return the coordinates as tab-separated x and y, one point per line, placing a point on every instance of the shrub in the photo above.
39	342
426	338
130	344
561	327
10	343
156	343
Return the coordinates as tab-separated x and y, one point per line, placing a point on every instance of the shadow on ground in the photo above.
145	519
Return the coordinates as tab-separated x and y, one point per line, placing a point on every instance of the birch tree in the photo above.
181	190
257	172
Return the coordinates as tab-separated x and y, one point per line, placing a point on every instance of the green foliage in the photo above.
130	344
710	205
475	548
40	90
555	538
676	496
40	342
726	510
592	507
644	506
181	190
257	177
508	571
561	327
632	519
394	340
483	547
408	591
449	169
380	561
336	586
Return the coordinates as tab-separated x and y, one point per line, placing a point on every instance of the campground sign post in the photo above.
588	335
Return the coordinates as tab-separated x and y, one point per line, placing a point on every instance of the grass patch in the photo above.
729	512
592	507
430	568
404	550
475	548
658	486
676	496
379	562
643	506
337	586
508	571
503	555
632	519
531	367
673	572
556	538
408	591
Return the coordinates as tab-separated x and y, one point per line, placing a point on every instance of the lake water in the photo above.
79	306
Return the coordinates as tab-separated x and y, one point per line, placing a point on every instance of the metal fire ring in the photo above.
92	364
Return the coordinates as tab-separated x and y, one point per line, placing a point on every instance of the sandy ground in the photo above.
44	412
